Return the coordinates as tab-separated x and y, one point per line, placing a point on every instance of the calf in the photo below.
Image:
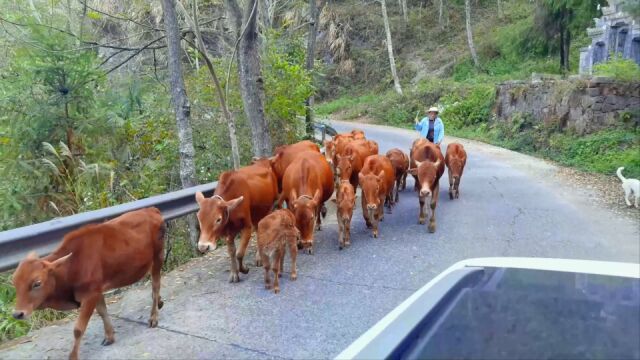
243	197
418	153
428	173
345	202
89	261
349	164
276	232
376	178
400	163
455	160
306	185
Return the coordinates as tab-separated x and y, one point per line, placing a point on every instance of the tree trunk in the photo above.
181	105
440	11
405	14
567	46
472	49
314	16
392	62
231	122
500	14
251	82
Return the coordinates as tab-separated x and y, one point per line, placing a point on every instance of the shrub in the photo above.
619	69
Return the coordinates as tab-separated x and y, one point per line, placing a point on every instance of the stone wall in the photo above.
582	105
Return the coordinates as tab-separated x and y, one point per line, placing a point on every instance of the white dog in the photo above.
630	186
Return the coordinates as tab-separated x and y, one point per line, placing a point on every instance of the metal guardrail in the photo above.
44	237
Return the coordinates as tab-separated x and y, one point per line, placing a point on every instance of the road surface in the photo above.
510	205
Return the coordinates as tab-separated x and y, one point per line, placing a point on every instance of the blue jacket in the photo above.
438	129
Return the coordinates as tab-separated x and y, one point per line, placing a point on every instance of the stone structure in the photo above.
615	34
581	104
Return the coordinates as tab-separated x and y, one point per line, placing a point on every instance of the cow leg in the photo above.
109	337
231	250
258	260
318	215
87	305
457	187
156	269
451	184
293	253
267	268
340	233
434	202
404	181
421	217
276	271
365	212
347	233
416	185
245	236
398	184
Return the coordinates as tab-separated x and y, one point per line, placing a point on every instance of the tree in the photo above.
249	70
200	46
392	62
472	49
440	11
314	16
556	19
180	102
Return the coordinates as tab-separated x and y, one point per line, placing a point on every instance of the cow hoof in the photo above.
258	263
310	251
107	341
375	234
421	221
347	244
267	286
244	270
153	323
340	247
279	275
451	195
160	304
294	277
276	290
432	228
234	278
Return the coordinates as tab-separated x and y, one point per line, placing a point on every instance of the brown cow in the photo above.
336	146
428	172
276	232
376	178
373	147
345	202
358	134
349	164
285	154
306	185
90	261
243	197
400	163
455	160
417	152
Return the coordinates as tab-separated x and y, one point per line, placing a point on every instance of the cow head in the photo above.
35	281
345	201
455	166
427	172
329	151
371	187
373	147
213	216
305	209
344	166
357	134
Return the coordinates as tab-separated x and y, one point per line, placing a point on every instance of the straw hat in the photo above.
434	109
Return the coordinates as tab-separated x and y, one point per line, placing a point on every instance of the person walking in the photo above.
431	127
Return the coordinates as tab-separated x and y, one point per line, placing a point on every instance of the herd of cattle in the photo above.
119	252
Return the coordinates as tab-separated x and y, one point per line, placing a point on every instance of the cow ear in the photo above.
32	256
381	176
360	178
338	157
413	171
316	197
351	157
418	163
56	264
232	204
199	198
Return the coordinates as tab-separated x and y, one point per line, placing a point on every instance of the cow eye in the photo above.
219	220
36	284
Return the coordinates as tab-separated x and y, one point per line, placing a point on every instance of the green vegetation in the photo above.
619	69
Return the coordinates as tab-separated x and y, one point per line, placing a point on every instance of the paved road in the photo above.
510	205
